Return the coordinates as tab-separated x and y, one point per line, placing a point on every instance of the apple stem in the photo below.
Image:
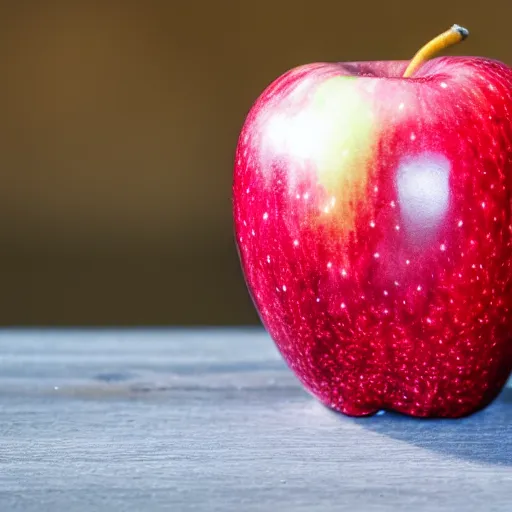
452	36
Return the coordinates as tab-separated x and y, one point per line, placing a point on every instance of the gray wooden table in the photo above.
212	420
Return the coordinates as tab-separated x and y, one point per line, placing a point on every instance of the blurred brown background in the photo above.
118	127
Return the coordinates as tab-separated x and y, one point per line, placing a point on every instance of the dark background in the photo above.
118	125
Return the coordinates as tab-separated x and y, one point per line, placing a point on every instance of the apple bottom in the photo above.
451	408
362	391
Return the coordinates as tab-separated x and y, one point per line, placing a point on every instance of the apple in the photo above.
372	217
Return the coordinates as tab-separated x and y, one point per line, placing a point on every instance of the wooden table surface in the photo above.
212	420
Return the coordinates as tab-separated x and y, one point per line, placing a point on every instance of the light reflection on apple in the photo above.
423	187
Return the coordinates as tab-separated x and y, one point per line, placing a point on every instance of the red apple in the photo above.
373	222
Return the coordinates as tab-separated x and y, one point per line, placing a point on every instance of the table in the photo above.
212	420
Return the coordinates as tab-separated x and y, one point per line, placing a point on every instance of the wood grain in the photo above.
212	420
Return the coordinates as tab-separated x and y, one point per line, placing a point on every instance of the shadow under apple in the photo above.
485	436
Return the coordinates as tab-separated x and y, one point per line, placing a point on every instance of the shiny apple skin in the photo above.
382	271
